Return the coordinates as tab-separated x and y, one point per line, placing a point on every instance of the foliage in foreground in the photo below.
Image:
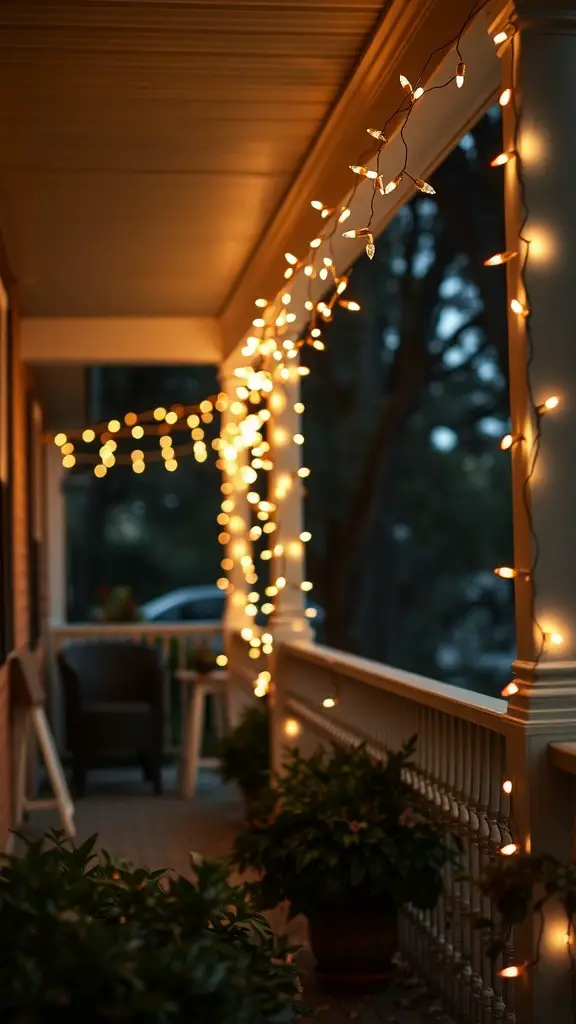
245	752
524	884
87	939
341	827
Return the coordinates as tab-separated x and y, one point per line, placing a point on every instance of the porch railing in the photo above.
460	768
176	641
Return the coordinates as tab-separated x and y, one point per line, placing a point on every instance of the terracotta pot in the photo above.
354	944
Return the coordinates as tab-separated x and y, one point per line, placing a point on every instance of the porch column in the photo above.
235	505
538	64
288	621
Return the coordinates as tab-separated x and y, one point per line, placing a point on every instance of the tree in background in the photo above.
409	500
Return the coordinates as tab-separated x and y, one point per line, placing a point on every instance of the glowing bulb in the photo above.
500	160
507	786
505	97
60	439
306	586
305	536
418	93
554	638
221	661
88	435
114	426
262	303
68	461
377	134
311	613
315	243
509	850
423	186
500	37
159	413
329	702
549	404
258	322
286	298
364	172
292	727
298	439
518	307
100	471
171	417
506	572
404	82
299	407
222	583
308	270
499	258
510	689
316	204
507	442
171	465
353	307
138	466
460	73
290	258
392	184
342	285
357	233
344	215
513	971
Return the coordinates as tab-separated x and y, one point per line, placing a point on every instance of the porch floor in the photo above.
161	831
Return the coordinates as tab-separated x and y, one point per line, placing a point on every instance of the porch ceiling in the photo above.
145	144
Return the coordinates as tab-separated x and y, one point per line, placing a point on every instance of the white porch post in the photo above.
288	621
543	364
239	545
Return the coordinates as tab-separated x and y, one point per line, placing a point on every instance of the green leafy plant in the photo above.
522	884
341	827
84	938
245	752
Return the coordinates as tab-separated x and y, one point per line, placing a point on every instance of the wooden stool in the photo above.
194	689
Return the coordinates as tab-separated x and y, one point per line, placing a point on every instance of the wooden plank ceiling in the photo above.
145	144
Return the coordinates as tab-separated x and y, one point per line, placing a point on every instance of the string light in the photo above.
510	689
512	971
363	171
500	37
506	572
377	134
551	403
505	97
507	786
460	74
509	849
329	702
349	304
519	308
501	159
499	258
292	727
404	82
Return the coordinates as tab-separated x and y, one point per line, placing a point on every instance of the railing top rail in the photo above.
563	756
71	629
453	700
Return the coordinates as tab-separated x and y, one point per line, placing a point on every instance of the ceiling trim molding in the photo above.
124	340
406	36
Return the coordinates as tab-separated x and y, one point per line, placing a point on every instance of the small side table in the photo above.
194	688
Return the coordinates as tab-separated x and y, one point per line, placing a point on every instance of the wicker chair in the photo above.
114	702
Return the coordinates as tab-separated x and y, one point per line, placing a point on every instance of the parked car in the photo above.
201	604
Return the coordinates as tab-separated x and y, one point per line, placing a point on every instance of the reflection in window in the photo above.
409	501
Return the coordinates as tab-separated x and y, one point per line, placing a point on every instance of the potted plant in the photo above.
245	753
341	836
87	939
